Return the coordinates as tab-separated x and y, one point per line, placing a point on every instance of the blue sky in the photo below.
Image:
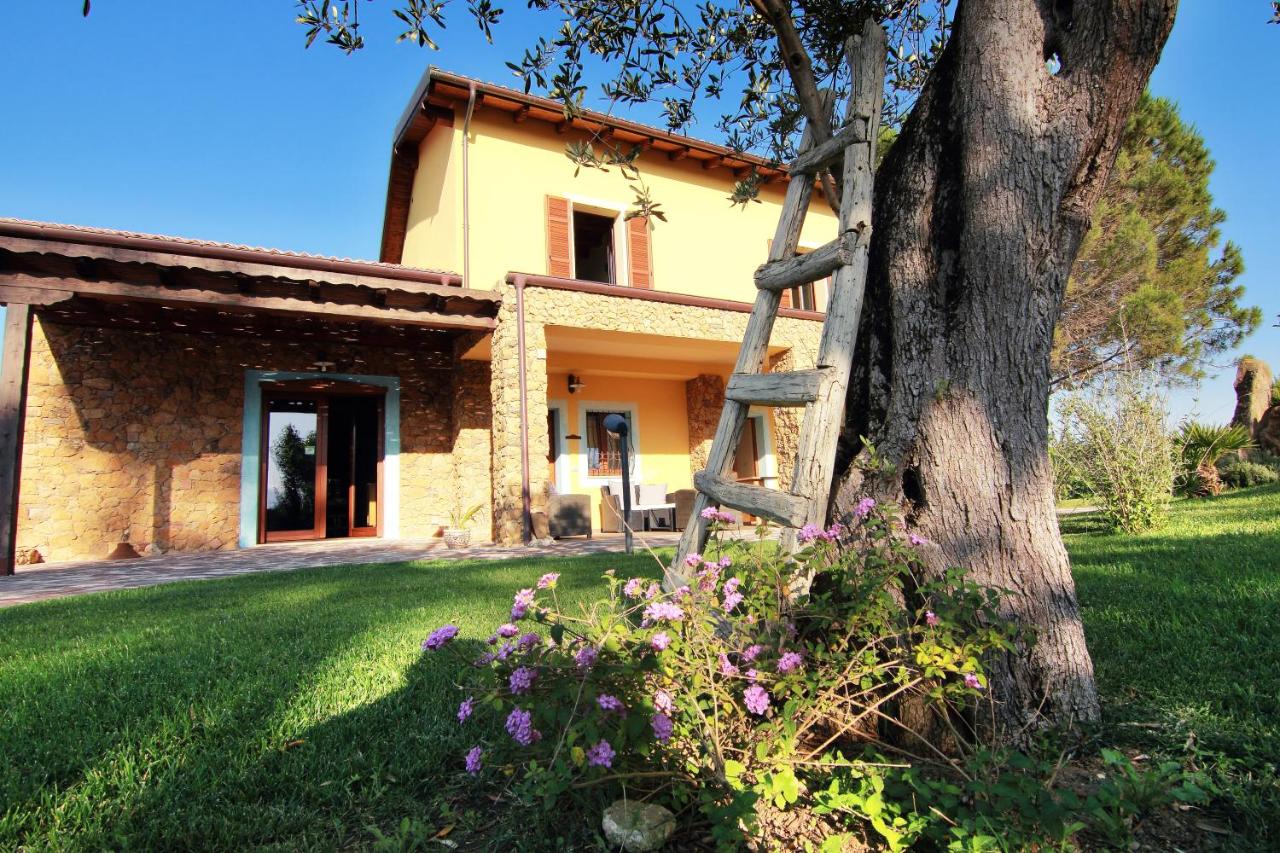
210	120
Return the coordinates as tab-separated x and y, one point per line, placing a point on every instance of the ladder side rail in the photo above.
820	432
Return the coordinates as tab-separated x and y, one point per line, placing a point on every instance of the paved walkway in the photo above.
55	580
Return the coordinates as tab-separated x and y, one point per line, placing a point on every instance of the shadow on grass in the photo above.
290	708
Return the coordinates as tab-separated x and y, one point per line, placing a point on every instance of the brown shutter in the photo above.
786	298
638	252
559	238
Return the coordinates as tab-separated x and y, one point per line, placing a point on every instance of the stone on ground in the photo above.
637	827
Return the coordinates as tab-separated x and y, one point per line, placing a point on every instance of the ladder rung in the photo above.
783	507
786	388
802	269
820	155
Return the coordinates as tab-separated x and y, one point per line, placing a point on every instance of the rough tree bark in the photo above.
979	211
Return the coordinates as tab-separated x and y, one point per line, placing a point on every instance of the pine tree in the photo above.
1150	288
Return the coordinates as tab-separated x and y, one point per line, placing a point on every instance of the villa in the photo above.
160	394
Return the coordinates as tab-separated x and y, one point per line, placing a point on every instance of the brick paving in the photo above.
57	580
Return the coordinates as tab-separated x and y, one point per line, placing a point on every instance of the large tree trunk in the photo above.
980	207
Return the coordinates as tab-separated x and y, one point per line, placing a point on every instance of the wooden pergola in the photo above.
116	279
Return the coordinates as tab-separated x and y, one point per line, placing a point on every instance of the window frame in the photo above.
631	410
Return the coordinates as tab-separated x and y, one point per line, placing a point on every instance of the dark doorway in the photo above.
321	461
593	255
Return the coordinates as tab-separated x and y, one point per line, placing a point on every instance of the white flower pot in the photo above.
456	537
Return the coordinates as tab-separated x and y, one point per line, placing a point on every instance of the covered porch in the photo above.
569	353
163	395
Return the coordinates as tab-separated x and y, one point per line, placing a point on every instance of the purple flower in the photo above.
709	577
662	727
600	755
731	600
663	611
610	704
473	760
790	661
663	702
731	585
682	593
916	540
548	581
713	514
465	709
520	727
633	588
439	638
971	681
726	666
520	606
660	641
756	699
930	618
586	657
808	533
695	560
505	651
652	592
529	641
486	659
522	679
864	507
725	562
508	630
753	675
834	532
752	652
708	513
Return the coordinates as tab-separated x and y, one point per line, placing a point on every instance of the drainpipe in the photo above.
526	518
466	187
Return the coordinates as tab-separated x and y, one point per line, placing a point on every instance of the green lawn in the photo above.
1184	627
291	710
294	710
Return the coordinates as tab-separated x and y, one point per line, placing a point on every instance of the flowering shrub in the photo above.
725	692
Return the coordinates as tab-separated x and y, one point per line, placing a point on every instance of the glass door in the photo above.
293	462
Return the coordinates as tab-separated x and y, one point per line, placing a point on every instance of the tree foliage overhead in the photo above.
1153	285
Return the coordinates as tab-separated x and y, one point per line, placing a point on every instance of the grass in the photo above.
293	710
1184	627
289	710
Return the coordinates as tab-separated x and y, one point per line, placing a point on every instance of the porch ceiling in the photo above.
634	354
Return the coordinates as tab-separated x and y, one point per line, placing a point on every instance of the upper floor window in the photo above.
802	297
594	244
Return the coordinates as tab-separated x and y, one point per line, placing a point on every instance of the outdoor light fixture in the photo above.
575	383
322	363
617	425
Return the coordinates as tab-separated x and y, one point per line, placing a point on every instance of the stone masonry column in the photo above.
472	449
505	390
704	399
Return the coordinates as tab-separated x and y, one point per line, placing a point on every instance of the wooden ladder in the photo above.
822	389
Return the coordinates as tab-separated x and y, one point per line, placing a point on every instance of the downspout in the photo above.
466	186
526	517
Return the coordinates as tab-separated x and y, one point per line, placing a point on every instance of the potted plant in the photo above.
457	534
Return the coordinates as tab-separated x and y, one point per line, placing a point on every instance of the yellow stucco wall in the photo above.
707	247
660	422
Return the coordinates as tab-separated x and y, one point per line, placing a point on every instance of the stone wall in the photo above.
137	436
704	396
552	307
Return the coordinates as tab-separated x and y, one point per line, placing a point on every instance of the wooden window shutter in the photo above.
638	256
786	298
559	237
